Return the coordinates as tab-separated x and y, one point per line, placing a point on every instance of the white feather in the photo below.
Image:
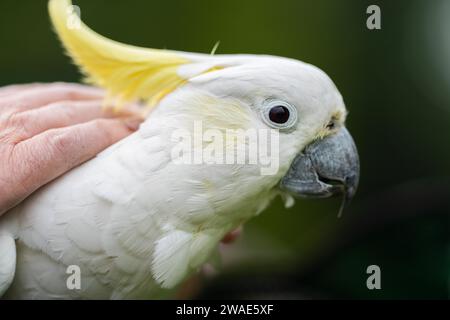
137	223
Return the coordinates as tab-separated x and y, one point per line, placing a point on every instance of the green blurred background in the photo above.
395	82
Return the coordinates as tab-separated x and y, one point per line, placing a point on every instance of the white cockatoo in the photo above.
141	216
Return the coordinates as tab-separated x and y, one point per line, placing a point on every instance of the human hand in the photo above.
48	129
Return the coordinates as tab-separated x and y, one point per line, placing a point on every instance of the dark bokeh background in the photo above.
395	82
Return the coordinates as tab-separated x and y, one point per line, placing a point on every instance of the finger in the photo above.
53	152
15	88
40	96
57	115
232	236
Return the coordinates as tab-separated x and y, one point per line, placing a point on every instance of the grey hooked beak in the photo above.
326	167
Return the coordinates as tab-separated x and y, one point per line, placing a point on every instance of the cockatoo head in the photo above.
317	156
302	103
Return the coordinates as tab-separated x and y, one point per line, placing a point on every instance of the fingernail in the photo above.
132	123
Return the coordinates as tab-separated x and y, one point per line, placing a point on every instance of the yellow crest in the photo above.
128	73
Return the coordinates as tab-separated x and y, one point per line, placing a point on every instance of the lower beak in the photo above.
327	167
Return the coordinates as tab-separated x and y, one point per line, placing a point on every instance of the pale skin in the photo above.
48	129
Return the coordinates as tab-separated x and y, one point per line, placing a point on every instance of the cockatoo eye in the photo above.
279	114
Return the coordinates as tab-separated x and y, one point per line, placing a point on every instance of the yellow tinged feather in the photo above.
128	73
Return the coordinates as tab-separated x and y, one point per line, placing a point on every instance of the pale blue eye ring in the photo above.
279	114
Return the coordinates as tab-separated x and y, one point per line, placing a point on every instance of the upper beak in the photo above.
327	167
